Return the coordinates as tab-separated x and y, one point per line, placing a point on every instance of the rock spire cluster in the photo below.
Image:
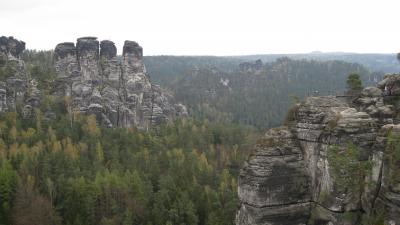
93	79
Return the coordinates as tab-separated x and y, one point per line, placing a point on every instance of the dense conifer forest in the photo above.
64	172
260	95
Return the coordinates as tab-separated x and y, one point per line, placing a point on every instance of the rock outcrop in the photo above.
333	163
116	89
274	182
249	67
11	47
16	87
91	79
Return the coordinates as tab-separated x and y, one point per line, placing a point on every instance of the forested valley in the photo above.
256	93
70	170
154	112
64	172
62	167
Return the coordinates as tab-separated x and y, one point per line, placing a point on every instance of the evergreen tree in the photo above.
7	189
398	56
79	173
354	83
32	208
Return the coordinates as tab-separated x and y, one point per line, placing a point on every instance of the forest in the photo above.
166	69
69	170
58	172
260	97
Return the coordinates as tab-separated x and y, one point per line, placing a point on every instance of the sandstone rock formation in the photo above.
11	47
116	89
334	163
249	67
92	79
274	183
16	87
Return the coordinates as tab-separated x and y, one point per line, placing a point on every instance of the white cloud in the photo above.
211	27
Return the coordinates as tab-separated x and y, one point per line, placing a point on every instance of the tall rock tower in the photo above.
16	87
115	88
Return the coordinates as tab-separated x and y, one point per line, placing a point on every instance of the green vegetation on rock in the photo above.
347	169
392	156
7	69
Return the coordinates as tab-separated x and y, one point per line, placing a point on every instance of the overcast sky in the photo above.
209	27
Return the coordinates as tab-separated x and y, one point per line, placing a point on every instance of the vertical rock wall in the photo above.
329	165
16	87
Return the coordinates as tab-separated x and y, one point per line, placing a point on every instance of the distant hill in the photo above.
386	63
260	94
165	69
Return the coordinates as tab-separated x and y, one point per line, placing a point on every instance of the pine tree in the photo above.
398	56
32	208
7	189
354	82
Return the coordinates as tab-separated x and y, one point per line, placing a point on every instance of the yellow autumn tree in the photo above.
99	152
52	135
28	135
13	150
39	118
91	126
37	148
13	134
3	128
70	149
3	150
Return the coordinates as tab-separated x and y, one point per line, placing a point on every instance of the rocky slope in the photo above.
335	162
93	80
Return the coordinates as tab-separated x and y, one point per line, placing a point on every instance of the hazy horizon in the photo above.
213	28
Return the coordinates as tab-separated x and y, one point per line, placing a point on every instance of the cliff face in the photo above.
334	163
93	80
16	87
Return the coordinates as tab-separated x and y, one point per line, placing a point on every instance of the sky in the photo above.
209	27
